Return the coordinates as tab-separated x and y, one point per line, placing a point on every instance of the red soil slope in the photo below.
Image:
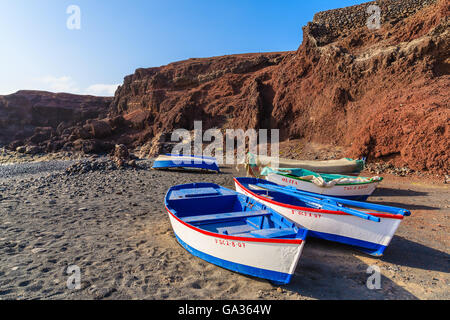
381	94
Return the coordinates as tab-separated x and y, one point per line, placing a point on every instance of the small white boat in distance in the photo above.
169	161
234	231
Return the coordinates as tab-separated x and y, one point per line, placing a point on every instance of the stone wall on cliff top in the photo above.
356	16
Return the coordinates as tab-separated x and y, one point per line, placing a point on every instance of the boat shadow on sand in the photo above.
389	192
407	206
331	271
404	252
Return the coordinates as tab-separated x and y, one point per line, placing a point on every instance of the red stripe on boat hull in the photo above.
221	236
379	215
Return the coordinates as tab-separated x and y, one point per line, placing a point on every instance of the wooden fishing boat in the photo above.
369	227
169	161
333	185
234	231
256	163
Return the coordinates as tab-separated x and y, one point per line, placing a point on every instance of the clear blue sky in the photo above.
38	51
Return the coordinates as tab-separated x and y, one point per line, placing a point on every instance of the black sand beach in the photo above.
113	226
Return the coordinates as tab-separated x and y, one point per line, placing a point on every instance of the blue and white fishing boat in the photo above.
169	161
367	226
234	231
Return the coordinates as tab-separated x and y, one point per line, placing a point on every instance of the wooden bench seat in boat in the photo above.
268	233
225	216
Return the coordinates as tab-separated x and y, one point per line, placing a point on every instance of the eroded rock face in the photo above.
354	87
382	94
211	89
38	117
378	93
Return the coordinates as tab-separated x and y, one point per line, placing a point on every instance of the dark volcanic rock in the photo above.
121	156
86	166
92	146
99	129
35	115
41	134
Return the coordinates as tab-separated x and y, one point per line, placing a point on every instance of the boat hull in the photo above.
185	162
368	236
351	192
271	259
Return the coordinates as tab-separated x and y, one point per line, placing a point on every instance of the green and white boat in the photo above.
334	185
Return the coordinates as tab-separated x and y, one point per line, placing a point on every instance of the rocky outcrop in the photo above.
43	118
173	96
346	85
382	94
354	17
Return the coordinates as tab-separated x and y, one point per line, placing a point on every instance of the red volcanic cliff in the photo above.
382	94
378	93
228	91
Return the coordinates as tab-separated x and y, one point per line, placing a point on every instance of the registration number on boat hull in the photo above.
230	243
307	214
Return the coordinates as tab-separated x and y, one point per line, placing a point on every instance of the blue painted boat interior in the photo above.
219	210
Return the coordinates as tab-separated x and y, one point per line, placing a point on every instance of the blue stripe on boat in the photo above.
278	278
373	249
161	164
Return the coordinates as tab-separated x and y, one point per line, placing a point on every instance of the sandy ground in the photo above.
113	226
9	157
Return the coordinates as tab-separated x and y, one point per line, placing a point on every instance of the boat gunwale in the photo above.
234	238
205	164
289	206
